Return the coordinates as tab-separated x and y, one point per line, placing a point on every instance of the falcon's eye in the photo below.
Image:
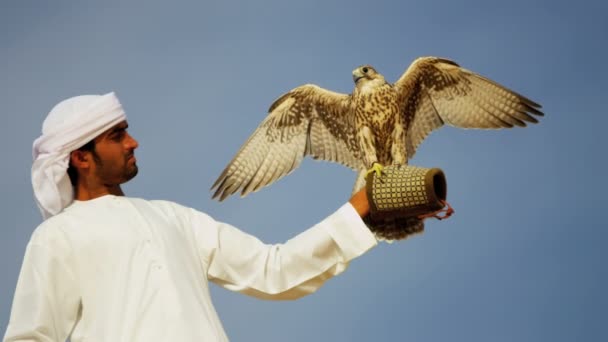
365	70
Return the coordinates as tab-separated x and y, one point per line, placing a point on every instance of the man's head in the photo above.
89	133
106	161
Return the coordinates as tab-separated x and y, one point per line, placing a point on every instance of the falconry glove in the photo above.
402	197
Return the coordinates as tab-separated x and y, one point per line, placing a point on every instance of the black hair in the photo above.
72	172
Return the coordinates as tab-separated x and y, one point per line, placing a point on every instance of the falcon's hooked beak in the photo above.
358	74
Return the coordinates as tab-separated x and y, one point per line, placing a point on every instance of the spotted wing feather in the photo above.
308	120
435	91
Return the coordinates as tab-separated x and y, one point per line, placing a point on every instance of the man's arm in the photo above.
240	262
360	202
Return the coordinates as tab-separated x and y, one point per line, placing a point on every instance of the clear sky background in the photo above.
523	259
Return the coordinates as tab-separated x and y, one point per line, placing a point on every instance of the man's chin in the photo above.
132	172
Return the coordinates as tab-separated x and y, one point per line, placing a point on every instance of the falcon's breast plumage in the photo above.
378	124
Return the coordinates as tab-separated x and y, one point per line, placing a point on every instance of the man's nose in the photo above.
131	143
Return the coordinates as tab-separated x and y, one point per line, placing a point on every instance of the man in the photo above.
105	267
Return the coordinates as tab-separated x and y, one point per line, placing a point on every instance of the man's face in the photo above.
114	160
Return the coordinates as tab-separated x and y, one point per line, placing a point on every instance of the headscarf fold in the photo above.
71	124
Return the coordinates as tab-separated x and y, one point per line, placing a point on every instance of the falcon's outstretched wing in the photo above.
308	120
435	91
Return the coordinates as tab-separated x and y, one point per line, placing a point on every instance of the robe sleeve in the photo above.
46	302
240	262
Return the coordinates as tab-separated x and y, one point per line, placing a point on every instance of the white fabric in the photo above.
70	124
126	269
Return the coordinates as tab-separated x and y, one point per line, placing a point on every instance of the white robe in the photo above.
125	269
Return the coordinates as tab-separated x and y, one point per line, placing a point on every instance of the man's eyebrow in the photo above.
118	128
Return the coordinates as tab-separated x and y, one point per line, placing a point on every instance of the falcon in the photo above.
378	124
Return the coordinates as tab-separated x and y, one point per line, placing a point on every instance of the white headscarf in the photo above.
71	124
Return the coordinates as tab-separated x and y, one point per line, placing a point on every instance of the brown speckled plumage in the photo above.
379	122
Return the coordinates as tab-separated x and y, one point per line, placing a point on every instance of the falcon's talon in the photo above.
377	168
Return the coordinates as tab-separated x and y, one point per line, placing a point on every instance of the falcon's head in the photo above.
366	73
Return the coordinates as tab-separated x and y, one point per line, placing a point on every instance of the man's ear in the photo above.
80	159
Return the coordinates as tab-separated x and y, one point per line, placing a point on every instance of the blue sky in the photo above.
523	258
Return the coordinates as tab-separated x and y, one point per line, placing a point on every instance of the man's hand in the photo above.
405	191
395	204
